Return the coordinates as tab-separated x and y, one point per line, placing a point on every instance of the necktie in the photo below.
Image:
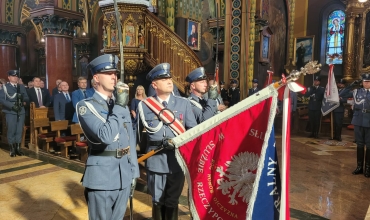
67	97
39	99
15	86
164	103
110	105
84	92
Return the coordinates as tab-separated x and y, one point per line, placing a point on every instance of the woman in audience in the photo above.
139	95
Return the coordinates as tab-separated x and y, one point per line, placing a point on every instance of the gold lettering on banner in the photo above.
204	156
257	134
224	209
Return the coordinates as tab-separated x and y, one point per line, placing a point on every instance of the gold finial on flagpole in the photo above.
311	67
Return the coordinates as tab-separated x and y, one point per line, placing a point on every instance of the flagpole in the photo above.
331	125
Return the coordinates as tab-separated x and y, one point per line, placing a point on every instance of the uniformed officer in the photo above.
361	121
316	94
13	97
203	108
255	89
224	94
234	94
111	166
165	177
338	113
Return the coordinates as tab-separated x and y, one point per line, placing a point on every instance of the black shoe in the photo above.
339	139
311	135
18	150
358	170
157	212
367	170
12	150
172	213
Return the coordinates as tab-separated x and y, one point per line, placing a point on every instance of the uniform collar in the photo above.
104	97
167	100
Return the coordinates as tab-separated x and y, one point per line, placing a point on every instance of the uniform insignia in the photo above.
155	118
82	110
164	66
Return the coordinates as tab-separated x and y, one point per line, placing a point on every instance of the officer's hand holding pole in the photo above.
15	108
122	94
168	144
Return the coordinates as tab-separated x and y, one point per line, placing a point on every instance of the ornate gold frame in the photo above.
187	33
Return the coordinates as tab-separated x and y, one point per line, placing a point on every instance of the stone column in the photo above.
8	48
58	29
349	53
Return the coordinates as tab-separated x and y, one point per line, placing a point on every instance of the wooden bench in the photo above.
38	113
65	141
80	145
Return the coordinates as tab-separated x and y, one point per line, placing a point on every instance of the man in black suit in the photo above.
234	94
38	95
63	107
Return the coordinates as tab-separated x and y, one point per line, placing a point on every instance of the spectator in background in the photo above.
39	96
42	84
56	90
63	108
80	94
139	95
30	84
2	82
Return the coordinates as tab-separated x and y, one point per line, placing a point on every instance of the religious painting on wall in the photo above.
265	48
193	35
113	37
130	34
335	37
303	50
141	36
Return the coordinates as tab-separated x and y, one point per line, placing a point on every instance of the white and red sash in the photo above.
165	117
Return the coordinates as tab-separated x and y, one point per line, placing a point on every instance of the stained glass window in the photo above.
335	37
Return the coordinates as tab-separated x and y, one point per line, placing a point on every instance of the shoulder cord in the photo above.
6	93
93	110
195	103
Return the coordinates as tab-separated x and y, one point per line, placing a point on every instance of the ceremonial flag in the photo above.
230	162
331	96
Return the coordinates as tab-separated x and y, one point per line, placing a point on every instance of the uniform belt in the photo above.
362	110
155	143
118	153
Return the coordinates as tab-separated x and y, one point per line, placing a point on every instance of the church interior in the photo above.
241	40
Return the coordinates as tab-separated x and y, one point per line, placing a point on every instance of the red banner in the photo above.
222	163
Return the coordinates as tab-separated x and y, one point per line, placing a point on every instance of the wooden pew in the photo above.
81	145
65	141
38	113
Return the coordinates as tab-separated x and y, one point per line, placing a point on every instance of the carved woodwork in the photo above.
147	42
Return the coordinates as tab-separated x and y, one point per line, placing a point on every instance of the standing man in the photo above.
316	94
13	97
56	90
80	94
338	113
255	89
112	163
361	121
63	108
164	117
203	108
38	95
234	94
224	94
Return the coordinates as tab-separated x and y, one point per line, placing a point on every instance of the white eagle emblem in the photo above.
238	178
82	110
